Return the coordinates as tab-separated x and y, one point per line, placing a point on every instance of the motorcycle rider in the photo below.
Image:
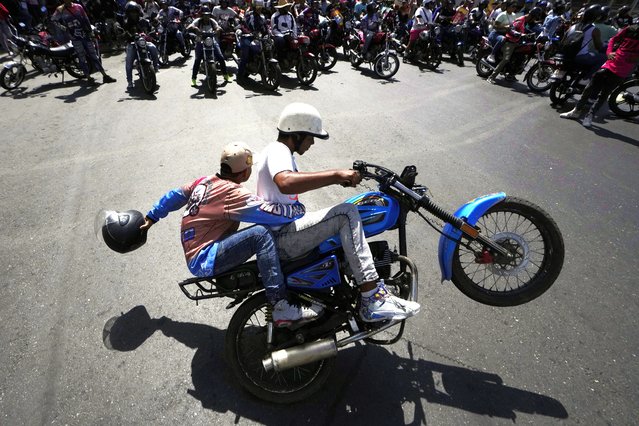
620	64
370	25
254	22
519	28
603	24
215	206
74	19
168	14
501	26
590	56
554	20
134	24
206	24
223	14
422	19
279	180
283	26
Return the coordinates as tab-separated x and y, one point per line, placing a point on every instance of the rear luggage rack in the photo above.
237	285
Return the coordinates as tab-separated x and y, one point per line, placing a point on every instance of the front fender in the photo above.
13	64
471	212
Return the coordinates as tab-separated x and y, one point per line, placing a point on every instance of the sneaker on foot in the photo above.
285	314
193	82
129	85
587	121
573	113
227	77
108	79
382	305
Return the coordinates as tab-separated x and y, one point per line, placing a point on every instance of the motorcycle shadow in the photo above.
203	93
138	94
370	73
291	83
42	91
522	87
357	392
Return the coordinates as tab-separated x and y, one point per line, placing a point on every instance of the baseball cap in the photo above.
238	156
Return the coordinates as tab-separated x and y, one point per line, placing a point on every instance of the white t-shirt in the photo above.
275	158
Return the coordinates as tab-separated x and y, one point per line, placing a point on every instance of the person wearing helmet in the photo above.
206	24
214	206
168	14
135	24
623	57
280	181
422	19
223	14
623	18
254	23
370	25
73	17
521	27
602	23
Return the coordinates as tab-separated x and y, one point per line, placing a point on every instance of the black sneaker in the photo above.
108	79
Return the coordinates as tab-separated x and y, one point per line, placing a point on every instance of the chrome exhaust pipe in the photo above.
300	355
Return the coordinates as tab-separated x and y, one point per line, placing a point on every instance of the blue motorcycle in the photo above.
498	250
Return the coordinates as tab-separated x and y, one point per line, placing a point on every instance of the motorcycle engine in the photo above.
45	64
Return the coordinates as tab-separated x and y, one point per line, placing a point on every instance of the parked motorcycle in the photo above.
296	55
380	57
168	43
143	63
498	250
324	52
261	61
45	60
426	49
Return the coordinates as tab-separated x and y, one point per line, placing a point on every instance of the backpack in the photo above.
573	41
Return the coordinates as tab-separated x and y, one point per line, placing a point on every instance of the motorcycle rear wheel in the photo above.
621	100
327	58
271	76
74	69
306	70
532	235
538	77
245	347
11	78
386	66
483	70
149	80
559	92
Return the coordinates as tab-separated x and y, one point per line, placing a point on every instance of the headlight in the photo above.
424	35
141	42
208	42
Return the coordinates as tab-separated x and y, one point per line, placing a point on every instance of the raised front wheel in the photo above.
534	239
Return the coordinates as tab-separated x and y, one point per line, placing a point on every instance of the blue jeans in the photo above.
86	49
256	240
497	40
131	57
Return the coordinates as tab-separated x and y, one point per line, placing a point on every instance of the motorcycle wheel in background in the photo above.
624	100
483	70
327	58
524	229
271	76
306	70
538	77
559	92
245	347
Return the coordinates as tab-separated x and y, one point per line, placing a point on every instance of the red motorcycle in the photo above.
384	61
296	55
325	53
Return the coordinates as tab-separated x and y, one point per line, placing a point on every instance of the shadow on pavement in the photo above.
370	385
83	89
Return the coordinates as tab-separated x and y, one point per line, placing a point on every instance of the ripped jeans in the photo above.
305	234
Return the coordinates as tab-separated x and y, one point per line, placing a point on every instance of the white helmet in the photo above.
301	118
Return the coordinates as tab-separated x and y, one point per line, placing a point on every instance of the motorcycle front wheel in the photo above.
483	70
327	58
386	66
538	247
211	80
624	100
538	77
11	78
245	348
306	70
559	92
434	58
460	56
271	75
149	80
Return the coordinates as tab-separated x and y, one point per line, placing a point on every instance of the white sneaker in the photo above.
573	113
382	306
285	314
587	121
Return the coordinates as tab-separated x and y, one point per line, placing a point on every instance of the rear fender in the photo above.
471	212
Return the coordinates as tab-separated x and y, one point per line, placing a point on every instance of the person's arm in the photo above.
289	182
173	200
596	39
242	206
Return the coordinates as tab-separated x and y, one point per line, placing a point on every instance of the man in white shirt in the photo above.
279	180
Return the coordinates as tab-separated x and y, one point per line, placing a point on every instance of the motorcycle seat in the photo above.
61	51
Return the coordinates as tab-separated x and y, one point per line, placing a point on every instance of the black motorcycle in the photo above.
567	80
143	63
44	59
261	61
208	66
451	39
426	49
295	55
168	43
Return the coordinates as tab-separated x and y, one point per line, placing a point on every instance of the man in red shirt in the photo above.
621	61
513	36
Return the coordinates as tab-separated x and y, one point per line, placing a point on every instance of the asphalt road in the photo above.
68	150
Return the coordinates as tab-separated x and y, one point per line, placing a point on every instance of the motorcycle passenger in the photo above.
554	20
254	22
502	24
519	28
206	24
74	19
279	180
134	24
309	18
422	19
215	206
370	25
283	26
223	14
620	64
168	14
590	56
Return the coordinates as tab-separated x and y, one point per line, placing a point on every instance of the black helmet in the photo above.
536	13
132	6
121	230
624	10
604	13
591	13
